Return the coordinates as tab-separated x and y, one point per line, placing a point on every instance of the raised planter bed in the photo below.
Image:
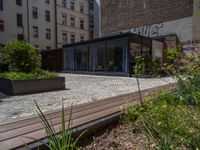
28	86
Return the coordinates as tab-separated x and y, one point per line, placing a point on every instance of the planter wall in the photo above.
28	86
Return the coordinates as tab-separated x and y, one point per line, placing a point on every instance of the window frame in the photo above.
19	2
72	37
72	5
1	5
47	1
47	16
2	26
34	12
82	24
35	31
72	21
64	3
64	37
48	34
64	19
19	20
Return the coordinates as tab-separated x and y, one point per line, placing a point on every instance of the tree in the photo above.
20	56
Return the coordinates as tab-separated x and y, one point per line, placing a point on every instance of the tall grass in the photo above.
63	139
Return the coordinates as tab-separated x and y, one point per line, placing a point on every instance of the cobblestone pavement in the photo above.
81	89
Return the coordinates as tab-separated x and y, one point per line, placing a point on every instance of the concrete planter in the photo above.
28	86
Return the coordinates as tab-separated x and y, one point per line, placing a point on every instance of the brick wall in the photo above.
120	15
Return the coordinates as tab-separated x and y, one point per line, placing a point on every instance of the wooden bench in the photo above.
14	134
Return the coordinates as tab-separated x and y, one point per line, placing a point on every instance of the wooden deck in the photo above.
13	134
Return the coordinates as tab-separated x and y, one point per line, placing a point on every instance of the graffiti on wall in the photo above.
148	30
191	45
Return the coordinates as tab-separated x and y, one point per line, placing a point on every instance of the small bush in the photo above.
20	56
36	74
167	123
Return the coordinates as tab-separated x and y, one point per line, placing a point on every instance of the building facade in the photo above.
153	18
47	24
30	20
72	21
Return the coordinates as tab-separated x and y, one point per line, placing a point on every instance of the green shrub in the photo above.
36	74
146	64
20	56
166	122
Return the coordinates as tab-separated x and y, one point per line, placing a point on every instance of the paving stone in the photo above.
82	89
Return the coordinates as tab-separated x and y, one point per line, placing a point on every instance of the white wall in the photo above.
42	24
157	49
78	15
181	27
9	15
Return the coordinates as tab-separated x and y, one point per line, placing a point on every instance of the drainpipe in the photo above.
28	32
56	29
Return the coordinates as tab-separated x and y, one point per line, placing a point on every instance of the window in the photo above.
81	8
64	20
47	15
48	47
36	46
72	22
1	5
48	34
1	25
91	21
72	37
19	20
64	3
19	2
35	31
47	1
72	5
20	37
35	12
64	37
82	38
91	5
82	24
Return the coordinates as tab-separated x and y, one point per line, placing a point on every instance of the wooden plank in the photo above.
32	120
37	126
40	134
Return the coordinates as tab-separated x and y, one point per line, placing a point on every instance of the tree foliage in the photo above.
20	56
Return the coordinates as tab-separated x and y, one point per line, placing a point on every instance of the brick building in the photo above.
163	20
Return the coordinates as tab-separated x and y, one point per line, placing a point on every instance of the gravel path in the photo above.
81	89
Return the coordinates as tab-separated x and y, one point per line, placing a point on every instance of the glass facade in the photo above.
81	58
69	59
110	54
97	56
116	55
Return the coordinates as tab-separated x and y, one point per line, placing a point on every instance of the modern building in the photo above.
109	55
154	18
47	24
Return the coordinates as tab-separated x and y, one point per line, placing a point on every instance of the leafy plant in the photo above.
20	56
166	122
187	72
146	64
36	74
62	140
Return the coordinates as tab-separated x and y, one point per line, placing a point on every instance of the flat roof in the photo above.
128	34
